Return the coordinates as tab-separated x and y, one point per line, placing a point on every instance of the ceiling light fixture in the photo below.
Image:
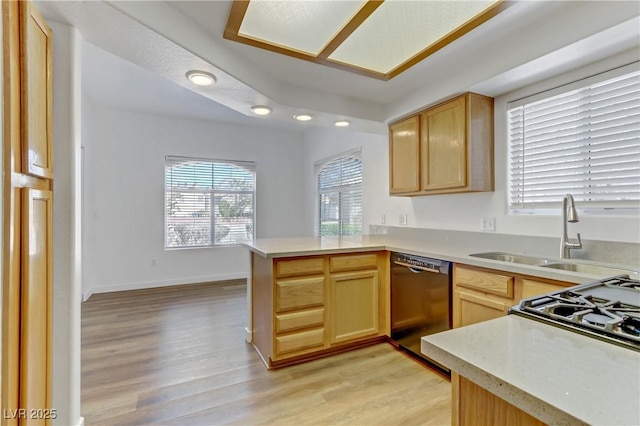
377	38
341	123
302	117
261	110
201	78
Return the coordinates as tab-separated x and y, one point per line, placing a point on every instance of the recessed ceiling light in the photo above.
302	117
341	123
261	110
201	78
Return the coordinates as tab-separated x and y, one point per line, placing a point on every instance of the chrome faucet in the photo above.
569	214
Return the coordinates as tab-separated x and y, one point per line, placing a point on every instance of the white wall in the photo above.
66	224
463	211
124	155
321	143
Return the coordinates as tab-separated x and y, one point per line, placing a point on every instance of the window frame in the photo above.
611	208
250	166
318	167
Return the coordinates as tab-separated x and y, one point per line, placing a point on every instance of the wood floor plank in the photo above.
177	355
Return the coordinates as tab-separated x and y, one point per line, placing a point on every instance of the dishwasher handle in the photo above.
417	269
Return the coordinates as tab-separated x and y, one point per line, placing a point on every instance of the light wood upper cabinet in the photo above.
404	156
454	150
37	101
444	146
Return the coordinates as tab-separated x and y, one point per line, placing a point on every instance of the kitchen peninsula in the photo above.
540	372
517	368
311	297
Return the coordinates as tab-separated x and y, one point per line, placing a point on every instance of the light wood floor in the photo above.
177	355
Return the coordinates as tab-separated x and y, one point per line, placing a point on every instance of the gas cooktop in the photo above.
607	309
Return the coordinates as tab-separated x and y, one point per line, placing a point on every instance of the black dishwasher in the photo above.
420	300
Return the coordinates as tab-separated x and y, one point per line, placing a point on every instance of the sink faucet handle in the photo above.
576	245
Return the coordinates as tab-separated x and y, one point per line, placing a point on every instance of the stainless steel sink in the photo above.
589	269
583	268
514	258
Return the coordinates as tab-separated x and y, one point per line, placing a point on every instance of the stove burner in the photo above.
631	326
598	319
608	309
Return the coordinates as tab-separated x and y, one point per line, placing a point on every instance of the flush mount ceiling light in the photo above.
376	38
341	123
302	117
261	110
201	78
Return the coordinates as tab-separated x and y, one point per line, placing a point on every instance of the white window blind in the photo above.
208	202
585	141
340	195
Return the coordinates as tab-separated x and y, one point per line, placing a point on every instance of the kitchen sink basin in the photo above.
514	258
589	269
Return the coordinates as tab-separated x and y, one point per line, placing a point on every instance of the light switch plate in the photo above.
403	219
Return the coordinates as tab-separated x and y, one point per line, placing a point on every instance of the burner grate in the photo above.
608	309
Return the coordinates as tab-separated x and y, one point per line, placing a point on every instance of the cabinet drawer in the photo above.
354	261
299	293
296	320
487	282
299	341
535	288
307	266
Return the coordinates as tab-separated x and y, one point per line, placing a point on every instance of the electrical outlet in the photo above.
383	219
403	219
488	223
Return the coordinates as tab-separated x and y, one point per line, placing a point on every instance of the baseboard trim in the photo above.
153	284
87	294
248	335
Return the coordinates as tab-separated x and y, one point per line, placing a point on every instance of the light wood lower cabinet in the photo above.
481	294
476	406
532	288
354	305
471	308
315	305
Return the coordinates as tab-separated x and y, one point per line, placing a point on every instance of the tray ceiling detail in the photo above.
376	38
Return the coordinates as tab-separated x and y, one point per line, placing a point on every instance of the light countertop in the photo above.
452	249
557	376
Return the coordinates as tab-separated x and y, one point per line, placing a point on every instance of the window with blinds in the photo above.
340	195
583	140
208	202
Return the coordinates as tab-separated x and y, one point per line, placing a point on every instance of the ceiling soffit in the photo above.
375	38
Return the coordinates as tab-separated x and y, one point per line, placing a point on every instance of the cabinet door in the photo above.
27	205
404	156
353	306
470	309
444	146
37	243
37	104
